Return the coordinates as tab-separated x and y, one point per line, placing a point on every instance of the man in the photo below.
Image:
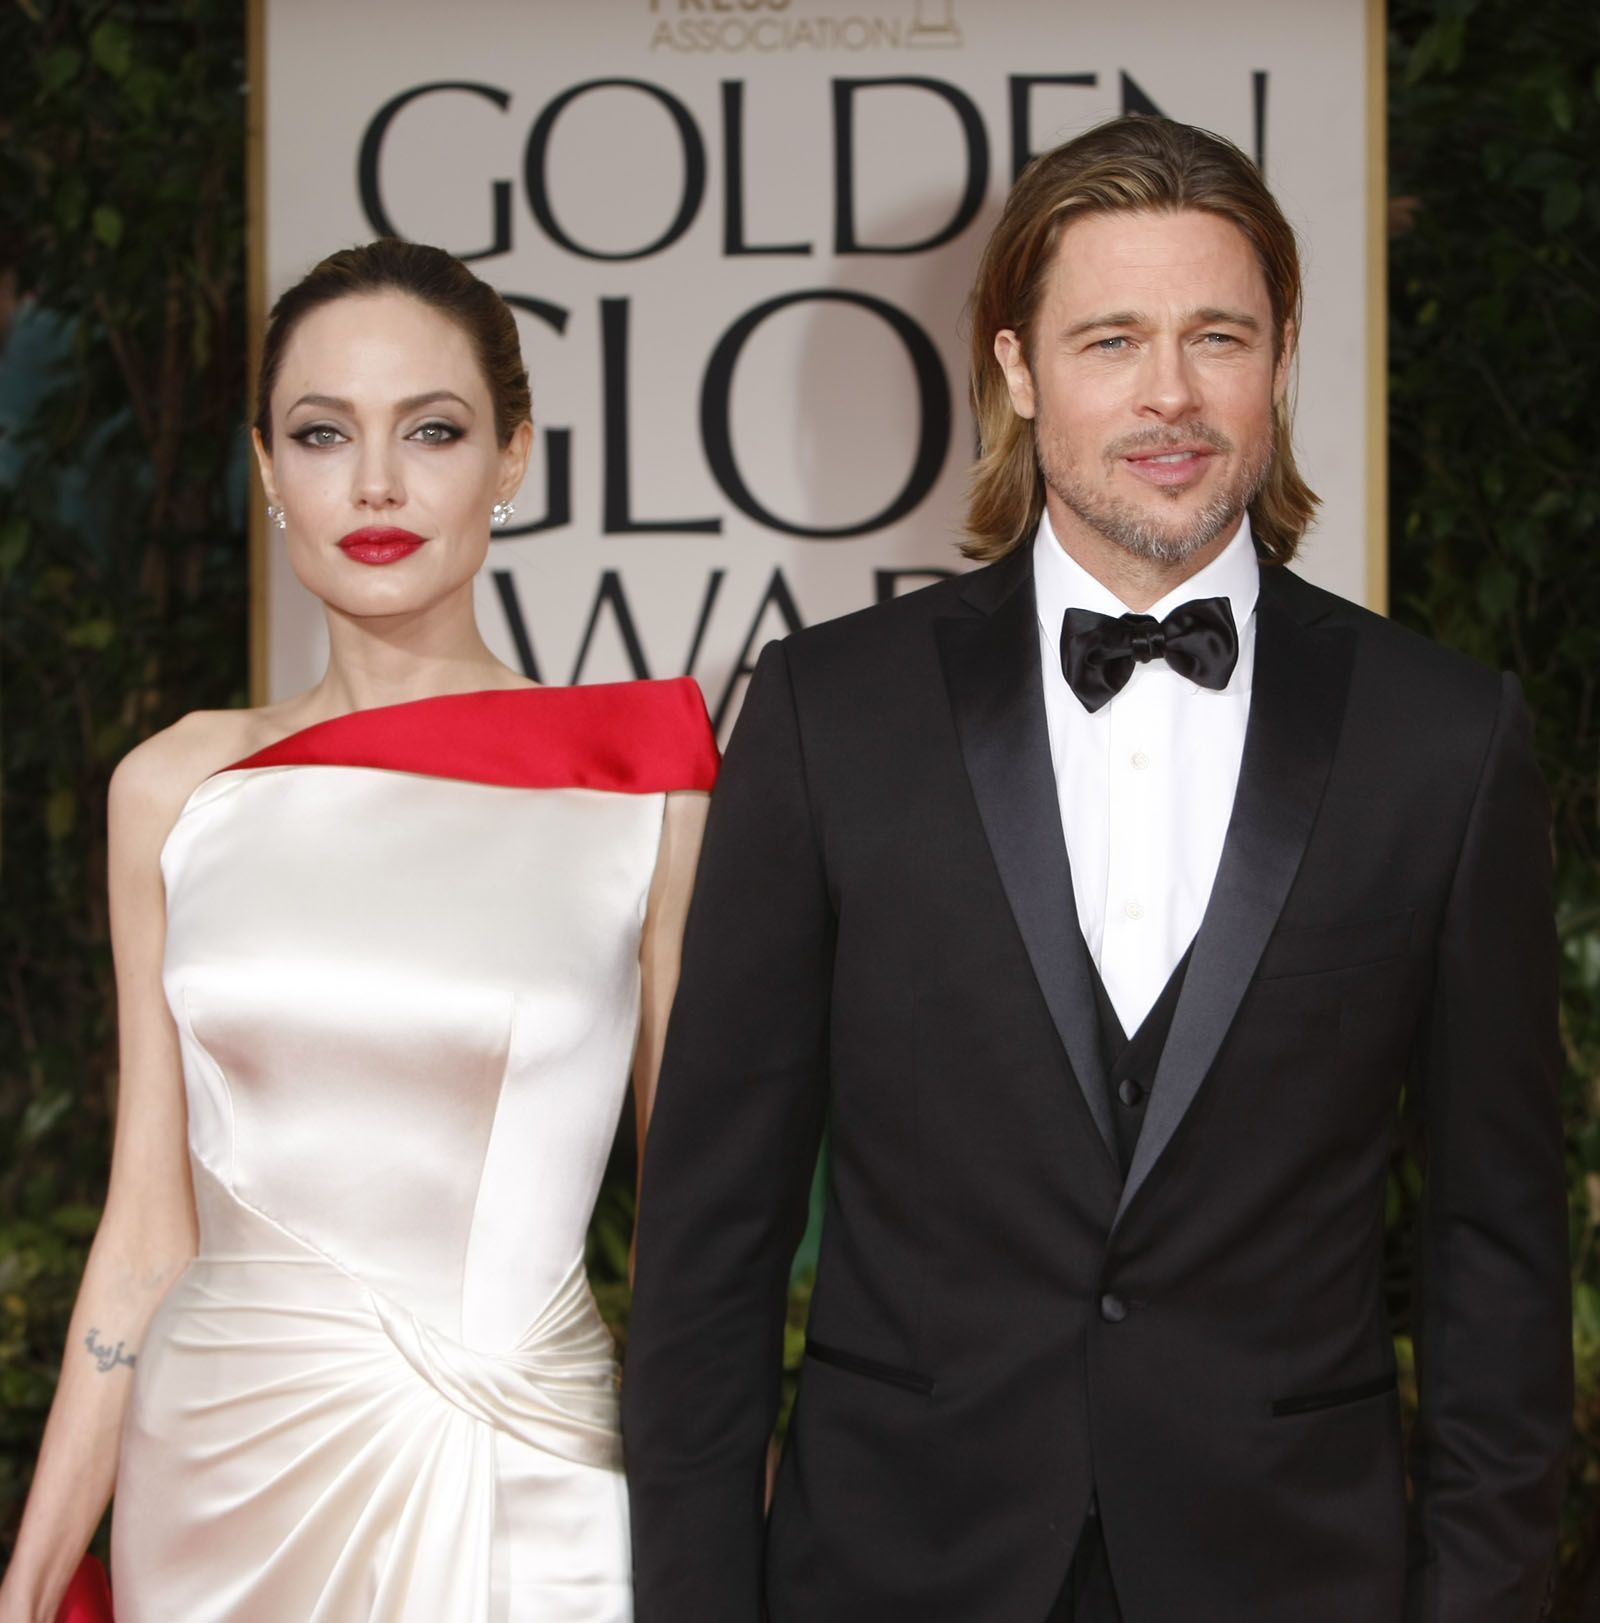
1105	902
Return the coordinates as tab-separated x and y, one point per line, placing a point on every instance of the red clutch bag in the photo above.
88	1596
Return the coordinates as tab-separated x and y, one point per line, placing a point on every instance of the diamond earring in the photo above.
501	512
275	517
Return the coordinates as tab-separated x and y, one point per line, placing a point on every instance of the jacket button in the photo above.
1112	1308
1129	1092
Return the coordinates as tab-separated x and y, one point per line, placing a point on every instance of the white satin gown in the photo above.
402	955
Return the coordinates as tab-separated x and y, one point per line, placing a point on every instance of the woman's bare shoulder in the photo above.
154	780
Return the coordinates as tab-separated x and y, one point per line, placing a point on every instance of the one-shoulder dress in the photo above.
403	959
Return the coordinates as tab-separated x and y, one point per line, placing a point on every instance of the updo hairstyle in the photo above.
440	281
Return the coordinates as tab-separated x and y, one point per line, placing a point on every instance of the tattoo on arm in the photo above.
106	1357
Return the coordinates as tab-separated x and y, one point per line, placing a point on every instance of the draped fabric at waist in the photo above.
555	1389
336	1456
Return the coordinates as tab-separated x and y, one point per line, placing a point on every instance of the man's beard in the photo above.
1137	531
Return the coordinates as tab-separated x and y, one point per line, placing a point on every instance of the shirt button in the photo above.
1112	1308
1129	1092
1133	909
1139	760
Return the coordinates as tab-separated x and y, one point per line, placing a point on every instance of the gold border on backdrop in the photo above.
1377	306
256	314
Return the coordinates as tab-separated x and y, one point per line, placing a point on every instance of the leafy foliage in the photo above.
122	566
124	576
1494	394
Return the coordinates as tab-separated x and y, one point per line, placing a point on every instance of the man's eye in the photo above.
436	433
1219	340
1110	346
317	435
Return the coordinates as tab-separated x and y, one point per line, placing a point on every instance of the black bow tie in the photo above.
1098	651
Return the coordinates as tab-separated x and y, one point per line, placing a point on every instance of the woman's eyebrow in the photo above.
415	402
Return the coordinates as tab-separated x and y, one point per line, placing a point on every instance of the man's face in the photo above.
1151	381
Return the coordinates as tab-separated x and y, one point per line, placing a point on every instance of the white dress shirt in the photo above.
1146	782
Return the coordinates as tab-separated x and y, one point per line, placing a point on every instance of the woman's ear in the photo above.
264	466
514	460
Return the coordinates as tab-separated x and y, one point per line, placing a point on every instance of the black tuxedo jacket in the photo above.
883	936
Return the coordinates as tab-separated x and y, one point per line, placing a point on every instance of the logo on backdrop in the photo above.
705	26
737	237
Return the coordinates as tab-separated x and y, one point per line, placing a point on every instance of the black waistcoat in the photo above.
1130	1062
1089	1595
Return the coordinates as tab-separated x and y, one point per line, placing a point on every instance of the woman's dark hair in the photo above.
440	281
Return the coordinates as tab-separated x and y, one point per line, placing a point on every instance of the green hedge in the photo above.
123	580
1494	378
123	558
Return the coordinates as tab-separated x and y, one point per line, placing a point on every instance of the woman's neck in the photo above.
374	662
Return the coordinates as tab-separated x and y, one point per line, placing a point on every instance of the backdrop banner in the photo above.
738	236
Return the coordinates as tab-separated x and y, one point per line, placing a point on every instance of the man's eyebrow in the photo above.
1227	318
1209	316
414	402
1117	318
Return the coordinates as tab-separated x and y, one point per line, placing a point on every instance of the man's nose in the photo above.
1168	386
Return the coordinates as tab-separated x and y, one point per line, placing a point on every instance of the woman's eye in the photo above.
436	433
318	435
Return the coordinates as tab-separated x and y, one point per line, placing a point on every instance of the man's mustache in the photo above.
1168	439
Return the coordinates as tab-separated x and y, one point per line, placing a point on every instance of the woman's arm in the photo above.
147	1231
661	946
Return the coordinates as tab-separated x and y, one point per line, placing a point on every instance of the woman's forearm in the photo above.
122	1286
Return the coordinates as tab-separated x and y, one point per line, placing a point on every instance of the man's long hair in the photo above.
1130	165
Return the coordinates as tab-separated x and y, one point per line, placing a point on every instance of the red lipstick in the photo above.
380	544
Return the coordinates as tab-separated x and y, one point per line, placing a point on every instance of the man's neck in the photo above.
1136	582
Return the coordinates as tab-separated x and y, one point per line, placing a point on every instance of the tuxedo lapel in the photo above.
1296	709
991	671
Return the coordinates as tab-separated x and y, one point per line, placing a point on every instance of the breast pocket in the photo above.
1322	949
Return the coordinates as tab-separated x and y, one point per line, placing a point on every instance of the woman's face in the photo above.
383	457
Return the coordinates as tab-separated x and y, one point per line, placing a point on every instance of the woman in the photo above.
383	953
